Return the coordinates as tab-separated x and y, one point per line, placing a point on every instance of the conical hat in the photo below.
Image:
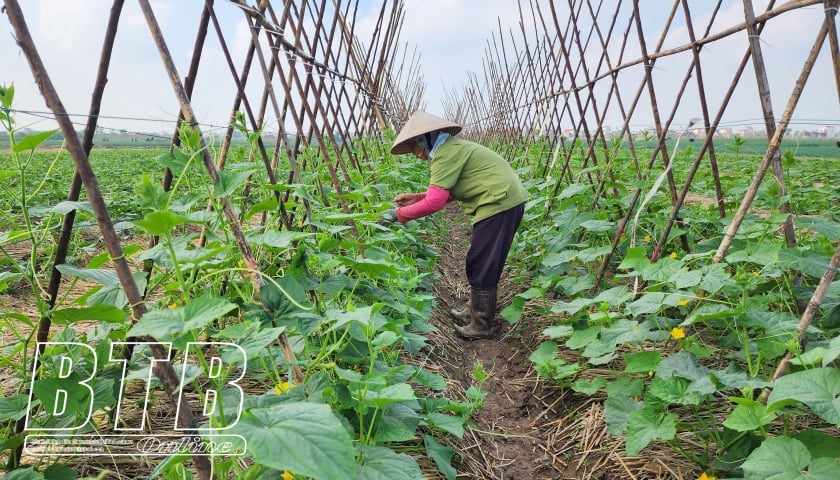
419	123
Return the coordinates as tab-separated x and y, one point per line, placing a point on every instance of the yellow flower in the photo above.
683	302
673	255
281	388
706	477
677	333
291	476
755	273
647	238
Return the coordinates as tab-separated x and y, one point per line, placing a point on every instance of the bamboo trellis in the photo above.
550	75
554	79
314	73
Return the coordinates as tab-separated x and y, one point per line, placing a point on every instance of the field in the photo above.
609	364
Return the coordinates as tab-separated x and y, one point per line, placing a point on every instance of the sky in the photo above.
451	36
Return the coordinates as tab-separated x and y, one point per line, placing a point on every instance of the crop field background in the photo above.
219	303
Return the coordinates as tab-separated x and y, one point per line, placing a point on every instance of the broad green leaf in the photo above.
451	424
429	379
784	458
593	253
396	393
617	410
547	351
554	259
582	338
642	362
635	259
442	455
398	424
277	239
101	276
682	364
646	425
32	140
674	390
102	313
230	181
748	415
735	378
759	254
685	278
559	331
589	387
833	351
818	388
65	207
572	285
572	190
13	407
629	331
382	463
301	437
819	444
28	473
513	312
709	311
653	302
597	226
160	222
8	278
572	307
164	324
825	227
614	296
715	277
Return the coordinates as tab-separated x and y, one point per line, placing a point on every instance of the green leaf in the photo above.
161	222
513	312
674	390
277	239
617	410
547	351
646	425
451	424
31	141
682	364
827	228
597	226
101	276
57	471
229	181
819	444
442	455
589	387
28	473
559	331
382	463
642	362
685	278
101	312
300	437
785	458
65	207
748	415
13	407
164	324
818	388
634	259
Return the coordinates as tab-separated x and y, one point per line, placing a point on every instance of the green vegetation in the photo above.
689	344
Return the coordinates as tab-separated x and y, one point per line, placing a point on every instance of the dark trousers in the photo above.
491	240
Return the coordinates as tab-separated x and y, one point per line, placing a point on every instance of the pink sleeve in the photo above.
434	201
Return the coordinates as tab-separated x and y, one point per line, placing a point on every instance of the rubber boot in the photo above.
461	316
482	315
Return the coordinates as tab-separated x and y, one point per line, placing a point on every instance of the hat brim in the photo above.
419	124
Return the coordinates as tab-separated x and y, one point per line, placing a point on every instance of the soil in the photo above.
528	428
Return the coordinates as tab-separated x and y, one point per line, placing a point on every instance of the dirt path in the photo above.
527	429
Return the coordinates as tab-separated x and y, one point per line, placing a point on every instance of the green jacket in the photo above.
478	178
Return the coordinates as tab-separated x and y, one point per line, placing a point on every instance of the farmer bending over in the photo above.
488	191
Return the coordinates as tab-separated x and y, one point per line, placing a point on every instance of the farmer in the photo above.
488	191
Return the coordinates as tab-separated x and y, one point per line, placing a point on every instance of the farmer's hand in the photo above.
388	217
406	199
